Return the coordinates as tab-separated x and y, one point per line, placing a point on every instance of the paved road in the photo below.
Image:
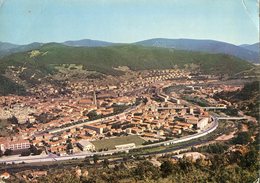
45	158
57	130
206	108
231	118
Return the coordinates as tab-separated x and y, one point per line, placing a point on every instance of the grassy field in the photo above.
111	143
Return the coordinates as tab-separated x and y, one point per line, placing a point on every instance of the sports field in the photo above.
112	142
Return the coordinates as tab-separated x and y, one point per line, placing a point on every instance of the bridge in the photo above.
168	108
230	118
209	108
182	107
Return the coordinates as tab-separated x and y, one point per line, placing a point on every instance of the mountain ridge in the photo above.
135	56
9	48
87	43
253	47
245	52
209	46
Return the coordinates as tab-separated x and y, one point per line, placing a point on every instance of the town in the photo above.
110	91
160	105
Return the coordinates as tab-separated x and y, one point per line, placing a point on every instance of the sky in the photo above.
125	21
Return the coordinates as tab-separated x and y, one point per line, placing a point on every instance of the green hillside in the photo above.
7	86
248	99
103	59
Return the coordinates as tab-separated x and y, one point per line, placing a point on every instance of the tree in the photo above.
87	161
13	120
167	168
250	158
8	152
235	157
185	164
216	148
145	100
37	152
26	153
105	163
33	150
242	138
146	170
69	147
95	158
231	111
92	115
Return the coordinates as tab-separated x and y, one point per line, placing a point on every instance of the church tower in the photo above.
94	97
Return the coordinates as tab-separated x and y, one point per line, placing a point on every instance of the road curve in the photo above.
34	159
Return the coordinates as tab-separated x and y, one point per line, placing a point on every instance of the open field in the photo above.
111	143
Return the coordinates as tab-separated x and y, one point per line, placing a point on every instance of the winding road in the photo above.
46	158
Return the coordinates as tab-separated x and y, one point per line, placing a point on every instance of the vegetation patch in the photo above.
248	99
7	86
105	59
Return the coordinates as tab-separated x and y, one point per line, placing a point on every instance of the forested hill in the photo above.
103	59
247	99
7	86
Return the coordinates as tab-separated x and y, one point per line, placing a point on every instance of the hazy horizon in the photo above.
130	42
